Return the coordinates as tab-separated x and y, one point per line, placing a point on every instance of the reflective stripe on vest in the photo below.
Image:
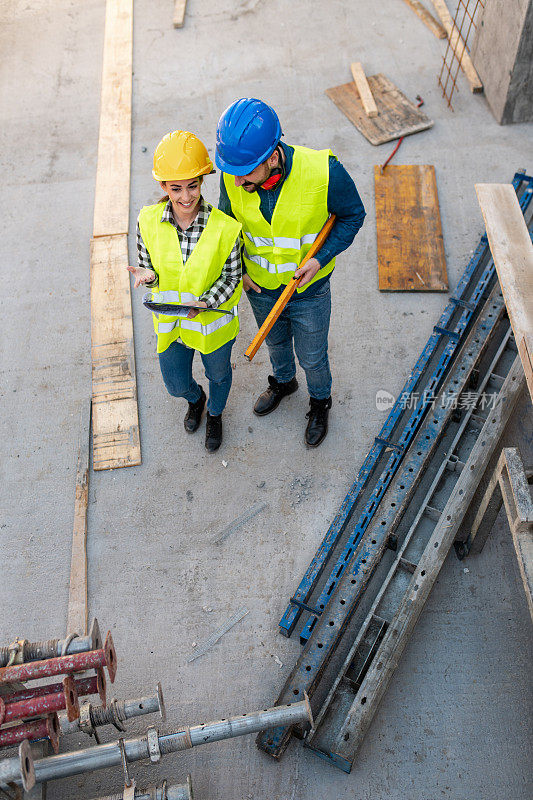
174	297
281	241
194	325
289	266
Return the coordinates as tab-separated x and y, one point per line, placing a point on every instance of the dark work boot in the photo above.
317	427
213	432
271	397
194	414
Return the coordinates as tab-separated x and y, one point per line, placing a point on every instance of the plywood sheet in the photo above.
409	233
112	192
397	116
115	416
512	251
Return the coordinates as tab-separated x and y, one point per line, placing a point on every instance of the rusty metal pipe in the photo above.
38	729
84	687
47	704
106	657
22	651
154	746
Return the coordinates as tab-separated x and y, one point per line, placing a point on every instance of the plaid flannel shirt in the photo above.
231	274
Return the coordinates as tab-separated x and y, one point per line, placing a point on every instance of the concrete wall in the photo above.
503	56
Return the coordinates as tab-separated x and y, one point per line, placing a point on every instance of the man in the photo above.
282	196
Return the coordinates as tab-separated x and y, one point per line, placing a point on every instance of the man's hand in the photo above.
308	271
141	275
196	308
248	284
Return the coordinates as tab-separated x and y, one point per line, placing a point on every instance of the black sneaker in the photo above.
271	397
194	414
213	432
317	427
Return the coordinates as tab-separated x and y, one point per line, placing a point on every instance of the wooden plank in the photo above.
458	46
409	233
112	192
512	251
397	116
363	88
428	20
115	415
178	18
77	598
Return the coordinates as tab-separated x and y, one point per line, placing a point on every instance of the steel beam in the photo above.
330	626
356	693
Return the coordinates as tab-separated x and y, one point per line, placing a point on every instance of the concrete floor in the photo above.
453	723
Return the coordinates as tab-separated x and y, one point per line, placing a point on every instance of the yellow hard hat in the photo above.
180	155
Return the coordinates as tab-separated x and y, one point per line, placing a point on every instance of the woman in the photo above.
191	251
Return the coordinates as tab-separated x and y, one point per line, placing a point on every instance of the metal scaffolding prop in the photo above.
489	330
153	745
162	791
404	419
21	651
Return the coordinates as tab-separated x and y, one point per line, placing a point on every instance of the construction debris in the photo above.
397	116
219	633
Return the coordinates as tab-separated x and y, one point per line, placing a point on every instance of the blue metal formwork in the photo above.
467	299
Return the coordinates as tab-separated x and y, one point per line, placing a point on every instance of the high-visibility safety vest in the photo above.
184	283
273	251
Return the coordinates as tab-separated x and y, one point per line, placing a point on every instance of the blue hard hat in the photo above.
247	134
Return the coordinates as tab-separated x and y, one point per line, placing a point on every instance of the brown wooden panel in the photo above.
409	233
115	416
397	116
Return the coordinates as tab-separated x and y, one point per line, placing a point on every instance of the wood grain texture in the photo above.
429	21
77	597
409	233
112	192
363	88
512	251
397	116
115	416
178	18
458	45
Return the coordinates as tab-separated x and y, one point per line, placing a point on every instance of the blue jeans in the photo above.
303	327
176	368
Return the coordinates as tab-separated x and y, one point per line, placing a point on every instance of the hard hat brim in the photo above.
239	171
185	176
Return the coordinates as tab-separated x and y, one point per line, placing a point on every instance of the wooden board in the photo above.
409	233
363	88
112	192
77	596
512	251
115	416
458	46
397	116
428	20
179	13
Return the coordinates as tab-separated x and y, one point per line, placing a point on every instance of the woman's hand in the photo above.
196	308
247	284
141	275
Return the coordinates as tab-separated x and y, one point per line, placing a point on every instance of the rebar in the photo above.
108	755
22	651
